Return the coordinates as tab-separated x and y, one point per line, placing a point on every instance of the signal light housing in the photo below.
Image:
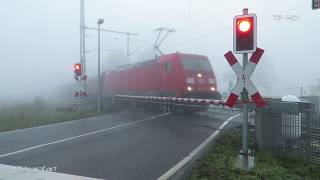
77	69
245	33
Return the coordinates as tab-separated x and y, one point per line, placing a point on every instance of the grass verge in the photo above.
26	116
220	163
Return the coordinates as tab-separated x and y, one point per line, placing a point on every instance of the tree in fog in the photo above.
315	88
39	104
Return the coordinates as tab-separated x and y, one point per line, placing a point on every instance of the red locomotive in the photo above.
174	75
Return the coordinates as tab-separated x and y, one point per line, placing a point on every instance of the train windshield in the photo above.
196	64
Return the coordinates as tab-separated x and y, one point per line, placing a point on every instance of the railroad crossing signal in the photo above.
80	80
245	34
77	69
244	81
315	4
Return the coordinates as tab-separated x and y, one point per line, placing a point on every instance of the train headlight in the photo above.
199	75
213	88
190	80
189	88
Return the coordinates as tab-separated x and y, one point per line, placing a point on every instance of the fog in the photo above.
40	40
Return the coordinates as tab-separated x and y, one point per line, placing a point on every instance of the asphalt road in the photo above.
115	147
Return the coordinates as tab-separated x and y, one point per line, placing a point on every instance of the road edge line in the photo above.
190	158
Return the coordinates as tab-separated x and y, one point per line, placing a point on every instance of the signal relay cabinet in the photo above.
312	99
282	124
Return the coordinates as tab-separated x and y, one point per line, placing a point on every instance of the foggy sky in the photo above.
40	40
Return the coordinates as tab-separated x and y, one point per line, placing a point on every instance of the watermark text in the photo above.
35	168
287	17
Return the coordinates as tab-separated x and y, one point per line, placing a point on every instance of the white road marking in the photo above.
82	135
190	156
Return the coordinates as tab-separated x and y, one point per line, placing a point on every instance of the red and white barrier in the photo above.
174	99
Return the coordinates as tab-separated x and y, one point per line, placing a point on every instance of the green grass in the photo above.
220	163
25	116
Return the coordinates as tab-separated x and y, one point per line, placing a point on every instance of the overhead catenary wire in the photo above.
186	42
102	45
195	12
128	34
186	17
143	41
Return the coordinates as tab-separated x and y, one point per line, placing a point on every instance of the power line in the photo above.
112	50
262	17
113	31
196	12
176	7
128	34
143	41
104	44
187	16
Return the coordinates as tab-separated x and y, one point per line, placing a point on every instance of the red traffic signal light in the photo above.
244	25
77	69
245	33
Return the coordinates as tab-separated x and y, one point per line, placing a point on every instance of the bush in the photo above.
39	104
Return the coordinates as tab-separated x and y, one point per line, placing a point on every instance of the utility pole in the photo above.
128	47
99	98
83	77
81	29
160	38
301	91
127	34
